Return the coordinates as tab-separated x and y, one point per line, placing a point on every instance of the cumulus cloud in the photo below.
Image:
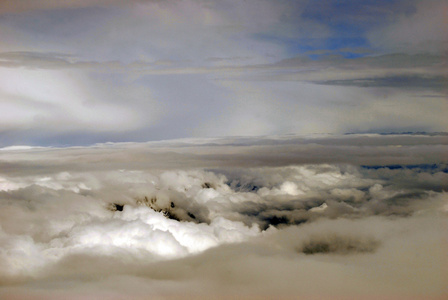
198	231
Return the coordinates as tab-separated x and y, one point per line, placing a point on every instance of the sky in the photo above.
250	149
85	72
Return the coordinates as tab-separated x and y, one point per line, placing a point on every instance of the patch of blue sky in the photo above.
336	43
349	21
306	46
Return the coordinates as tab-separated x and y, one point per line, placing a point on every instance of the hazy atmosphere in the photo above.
258	149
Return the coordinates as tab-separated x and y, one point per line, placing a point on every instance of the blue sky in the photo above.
82	72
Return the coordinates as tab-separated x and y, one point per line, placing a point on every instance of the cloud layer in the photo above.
83	72
164	225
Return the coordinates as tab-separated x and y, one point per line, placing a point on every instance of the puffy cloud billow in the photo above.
221	218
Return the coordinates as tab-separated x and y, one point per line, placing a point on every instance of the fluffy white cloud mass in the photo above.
325	217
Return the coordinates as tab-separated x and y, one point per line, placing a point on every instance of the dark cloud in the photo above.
404	82
338	245
429	67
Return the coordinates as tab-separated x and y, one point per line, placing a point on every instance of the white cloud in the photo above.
58	101
188	231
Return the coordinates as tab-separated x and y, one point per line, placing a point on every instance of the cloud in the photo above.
151	70
281	216
251	152
424	82
239	269
368	94
157	217
384	68
26	6
420	31
68	101
151	31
